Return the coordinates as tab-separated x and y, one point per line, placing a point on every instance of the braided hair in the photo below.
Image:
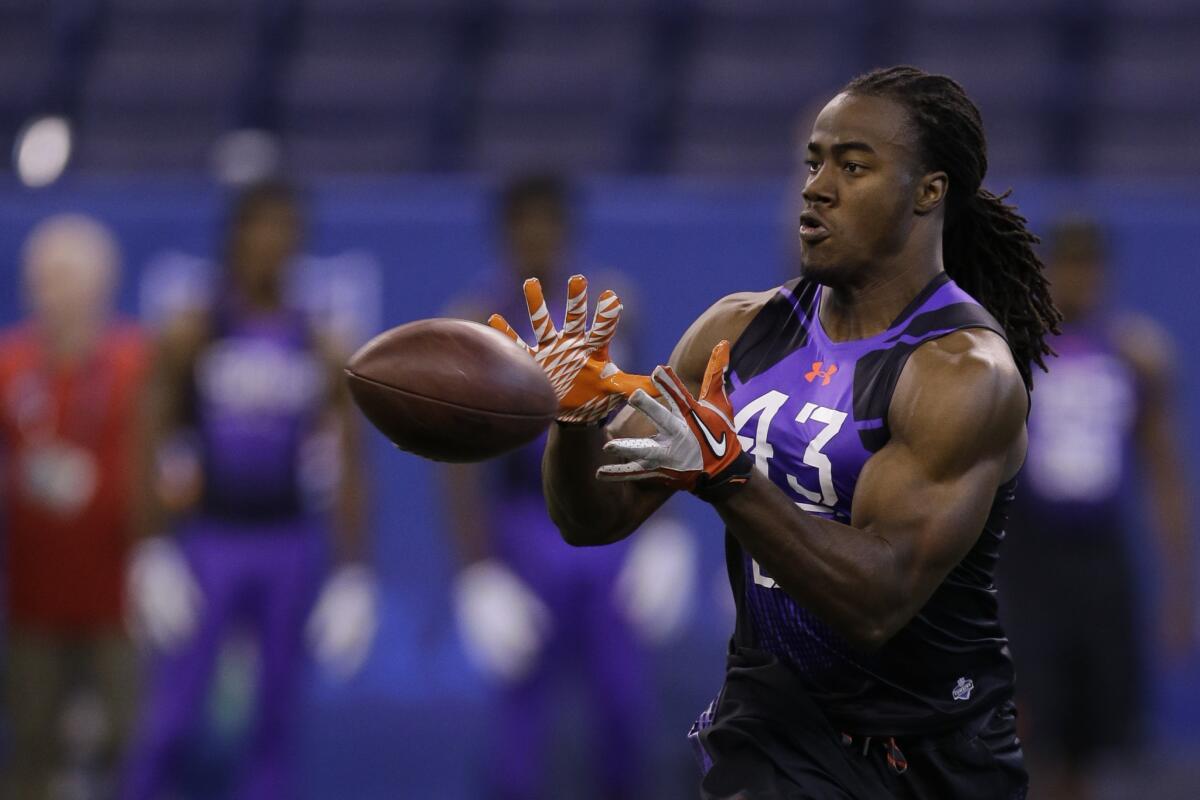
987	248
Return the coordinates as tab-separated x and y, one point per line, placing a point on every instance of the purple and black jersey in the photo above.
811	412
258	388
1081	436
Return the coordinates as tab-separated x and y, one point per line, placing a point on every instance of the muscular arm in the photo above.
161	413
588	512
957	421
1148	350
350	500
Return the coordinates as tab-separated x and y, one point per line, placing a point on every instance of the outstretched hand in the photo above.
696	448
576	359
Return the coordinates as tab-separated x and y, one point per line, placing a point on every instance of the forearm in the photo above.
352	499
587	511
465	501
844	575
1172	506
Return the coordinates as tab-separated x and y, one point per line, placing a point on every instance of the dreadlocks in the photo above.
987	248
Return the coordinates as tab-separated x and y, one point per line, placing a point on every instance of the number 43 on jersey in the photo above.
765	407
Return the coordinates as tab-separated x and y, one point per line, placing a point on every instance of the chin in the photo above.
822	271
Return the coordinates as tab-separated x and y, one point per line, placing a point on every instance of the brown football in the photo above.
451	390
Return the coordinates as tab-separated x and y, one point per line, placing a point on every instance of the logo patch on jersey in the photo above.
819	370
962	690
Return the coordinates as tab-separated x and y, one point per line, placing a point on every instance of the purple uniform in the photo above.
590	638
811	412
1070	561
1077	478
255	553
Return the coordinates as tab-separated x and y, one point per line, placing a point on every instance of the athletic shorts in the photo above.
765	739
1069	607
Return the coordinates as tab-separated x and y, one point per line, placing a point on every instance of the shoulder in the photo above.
1144	344
727	319
182	337
18	348
959	396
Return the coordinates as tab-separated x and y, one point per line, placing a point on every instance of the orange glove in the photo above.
696	447
589	386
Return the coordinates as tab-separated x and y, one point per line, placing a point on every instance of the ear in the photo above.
931	192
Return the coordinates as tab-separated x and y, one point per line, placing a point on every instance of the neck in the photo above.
866	306
864	310
68	344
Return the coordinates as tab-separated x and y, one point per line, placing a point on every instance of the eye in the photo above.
853	168
812	165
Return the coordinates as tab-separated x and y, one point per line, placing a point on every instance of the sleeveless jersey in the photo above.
1081	430
257	390
811	412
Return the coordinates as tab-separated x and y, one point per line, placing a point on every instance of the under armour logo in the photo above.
819	371
962	690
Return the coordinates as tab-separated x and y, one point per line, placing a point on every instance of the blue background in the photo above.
417	717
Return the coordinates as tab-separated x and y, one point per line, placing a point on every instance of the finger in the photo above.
626	384
501	324
633	471
670	385
662	418
604	322
633	449
539	315
714	373
576	314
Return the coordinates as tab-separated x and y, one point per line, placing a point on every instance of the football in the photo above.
451	390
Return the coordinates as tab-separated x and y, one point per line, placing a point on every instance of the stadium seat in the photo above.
571	92
1012	72
25	48
370	84
164	84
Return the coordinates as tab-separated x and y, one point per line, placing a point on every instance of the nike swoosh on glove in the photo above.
588	384
696	448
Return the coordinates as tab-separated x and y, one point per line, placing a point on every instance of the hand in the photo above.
502	622
164	600
658	579
696	447
589	386
342	625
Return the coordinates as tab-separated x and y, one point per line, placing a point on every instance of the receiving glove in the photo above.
164	600
696	448
502	622
576	360
657	582
342	625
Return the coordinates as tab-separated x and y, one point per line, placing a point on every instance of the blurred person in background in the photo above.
69	383
1103	418
242	396
533	611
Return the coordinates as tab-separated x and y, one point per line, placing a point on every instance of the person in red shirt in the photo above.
70	375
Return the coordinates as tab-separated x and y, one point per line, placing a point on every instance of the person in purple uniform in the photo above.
251	389
533	611
1103	420
860	441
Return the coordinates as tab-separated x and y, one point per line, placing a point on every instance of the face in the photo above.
1076	284
70	271
537	240
864	189
264	244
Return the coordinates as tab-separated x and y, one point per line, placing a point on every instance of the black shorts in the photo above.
1069	607
768	741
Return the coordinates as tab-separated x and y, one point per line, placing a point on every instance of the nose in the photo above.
818	189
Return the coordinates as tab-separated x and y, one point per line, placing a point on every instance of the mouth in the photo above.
812	228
